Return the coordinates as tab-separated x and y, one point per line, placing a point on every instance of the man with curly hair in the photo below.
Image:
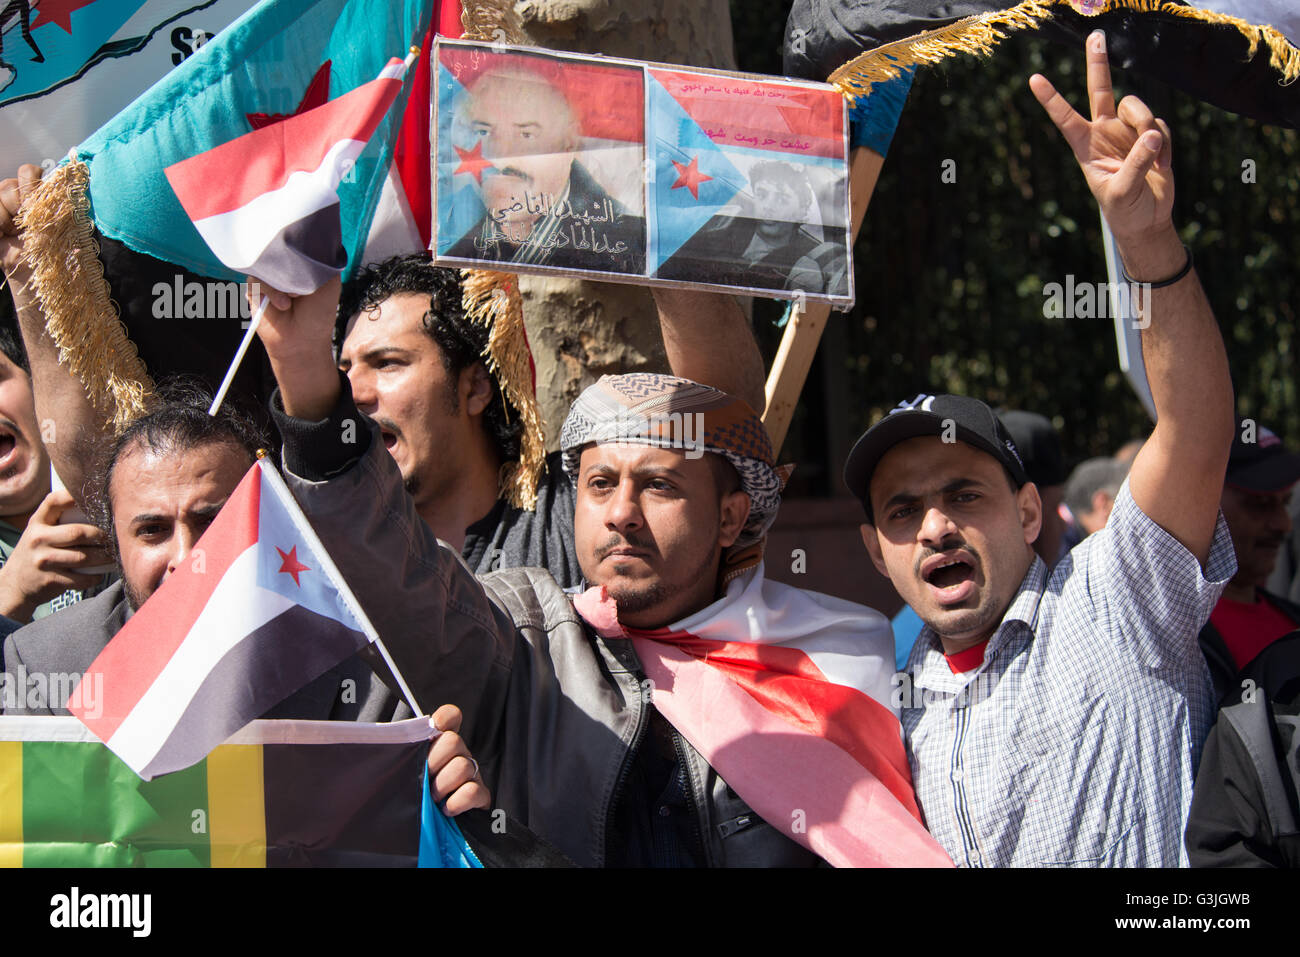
416	367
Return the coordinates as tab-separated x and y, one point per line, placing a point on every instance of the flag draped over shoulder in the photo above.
256	612
277	794
785	693
1241	55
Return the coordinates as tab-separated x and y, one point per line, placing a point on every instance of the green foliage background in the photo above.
950	275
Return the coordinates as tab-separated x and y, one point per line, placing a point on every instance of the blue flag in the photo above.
281	58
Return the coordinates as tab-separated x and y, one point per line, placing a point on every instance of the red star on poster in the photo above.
58	11
472	161
318	94
689	175
290	565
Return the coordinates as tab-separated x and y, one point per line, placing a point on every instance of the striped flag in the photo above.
256	612
785	692
277	794
267	203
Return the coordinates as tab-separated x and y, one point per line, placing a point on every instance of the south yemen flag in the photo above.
277	794
256	612
267	202
267	64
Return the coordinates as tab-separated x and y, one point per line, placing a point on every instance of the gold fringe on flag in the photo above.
492	300
493	20
59	247
980	33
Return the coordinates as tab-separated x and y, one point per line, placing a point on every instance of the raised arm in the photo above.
708	339
61	400
444	633
1125	154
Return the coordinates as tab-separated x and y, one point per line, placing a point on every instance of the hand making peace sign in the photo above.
1125	153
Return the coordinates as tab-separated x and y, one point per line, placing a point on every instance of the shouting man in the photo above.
1057	718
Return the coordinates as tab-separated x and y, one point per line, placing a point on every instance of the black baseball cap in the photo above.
1261	465
969	420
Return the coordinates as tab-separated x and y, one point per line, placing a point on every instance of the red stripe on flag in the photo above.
411	150
787	683
746	113
803	785
266	158
447	18
140	651
609	100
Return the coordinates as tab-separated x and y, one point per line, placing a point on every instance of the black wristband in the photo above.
1176	277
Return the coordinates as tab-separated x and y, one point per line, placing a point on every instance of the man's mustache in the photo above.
927	552
622	541
387	425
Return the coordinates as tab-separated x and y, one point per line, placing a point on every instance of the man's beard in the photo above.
133	598
632	599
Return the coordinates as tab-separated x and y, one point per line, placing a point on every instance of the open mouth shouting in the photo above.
8	444
950	575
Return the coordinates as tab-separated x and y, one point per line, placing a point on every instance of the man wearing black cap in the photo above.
1256	496
1058	719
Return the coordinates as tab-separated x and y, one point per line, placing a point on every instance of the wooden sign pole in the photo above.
808	320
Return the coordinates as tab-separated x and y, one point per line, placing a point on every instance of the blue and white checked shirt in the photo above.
1075	743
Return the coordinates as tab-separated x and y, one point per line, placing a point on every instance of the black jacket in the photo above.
1244	807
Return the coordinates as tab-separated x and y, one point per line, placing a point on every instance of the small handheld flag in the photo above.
267	203
277	219
257	612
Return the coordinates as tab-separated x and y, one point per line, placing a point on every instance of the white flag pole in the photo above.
239	355
350	600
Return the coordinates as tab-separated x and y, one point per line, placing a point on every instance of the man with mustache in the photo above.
1256	504
1056	718
416	366
544	207
163	482
683	710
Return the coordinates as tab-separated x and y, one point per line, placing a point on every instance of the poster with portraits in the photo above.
633	172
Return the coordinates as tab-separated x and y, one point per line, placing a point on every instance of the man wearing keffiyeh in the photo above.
682	710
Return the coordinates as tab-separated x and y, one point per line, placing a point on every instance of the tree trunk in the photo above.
582	330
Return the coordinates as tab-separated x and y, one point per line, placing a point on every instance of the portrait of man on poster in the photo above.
545	202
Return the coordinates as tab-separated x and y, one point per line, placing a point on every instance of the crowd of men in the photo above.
611	660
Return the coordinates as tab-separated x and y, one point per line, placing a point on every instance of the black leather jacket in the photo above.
553	713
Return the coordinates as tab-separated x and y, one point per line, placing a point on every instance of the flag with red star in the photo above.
256	612
539	160
282	73
748	187
267	202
